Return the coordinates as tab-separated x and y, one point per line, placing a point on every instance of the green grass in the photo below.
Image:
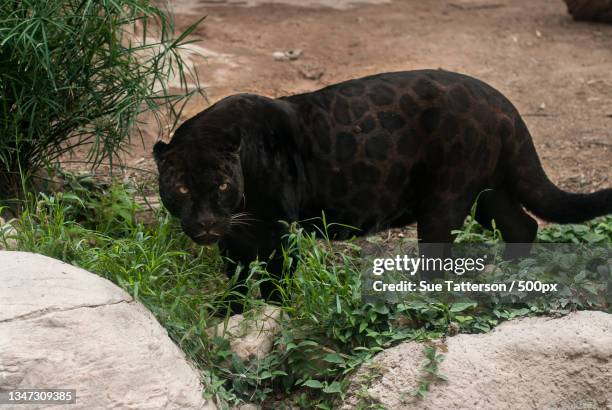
328	330
78	73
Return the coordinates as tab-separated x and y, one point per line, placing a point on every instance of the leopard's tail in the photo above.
539	195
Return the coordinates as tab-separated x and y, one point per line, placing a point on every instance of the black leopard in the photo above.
381	151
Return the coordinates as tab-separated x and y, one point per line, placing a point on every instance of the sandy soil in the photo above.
556	71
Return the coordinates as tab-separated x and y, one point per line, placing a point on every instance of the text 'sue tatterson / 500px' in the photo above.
315	204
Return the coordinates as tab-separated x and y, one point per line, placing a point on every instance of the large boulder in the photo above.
63	327
523	364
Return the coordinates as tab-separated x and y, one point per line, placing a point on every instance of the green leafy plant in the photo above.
431	368
597	231
473	232
78	73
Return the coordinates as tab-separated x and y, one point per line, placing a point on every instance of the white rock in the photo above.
248	406
8	235
523	364
287	55
63	327
280	56
251	335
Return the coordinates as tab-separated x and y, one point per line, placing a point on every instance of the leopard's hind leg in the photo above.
518	228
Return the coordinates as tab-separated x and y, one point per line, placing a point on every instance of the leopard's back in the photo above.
374	143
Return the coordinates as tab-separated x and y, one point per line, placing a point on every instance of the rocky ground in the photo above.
531	363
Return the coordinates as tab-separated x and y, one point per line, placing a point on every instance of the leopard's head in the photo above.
200	179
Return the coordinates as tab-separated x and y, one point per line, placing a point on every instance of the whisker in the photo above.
242	218
237	222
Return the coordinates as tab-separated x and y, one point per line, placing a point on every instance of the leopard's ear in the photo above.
160	152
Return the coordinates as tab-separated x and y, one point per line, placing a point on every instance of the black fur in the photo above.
385	150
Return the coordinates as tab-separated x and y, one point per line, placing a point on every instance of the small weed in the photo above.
431	367
369	374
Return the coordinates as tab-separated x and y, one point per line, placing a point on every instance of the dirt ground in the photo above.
556	71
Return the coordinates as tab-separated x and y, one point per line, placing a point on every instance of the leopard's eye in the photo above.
224	187
183	189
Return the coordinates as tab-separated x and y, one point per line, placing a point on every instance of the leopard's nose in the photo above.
209	227
206	224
